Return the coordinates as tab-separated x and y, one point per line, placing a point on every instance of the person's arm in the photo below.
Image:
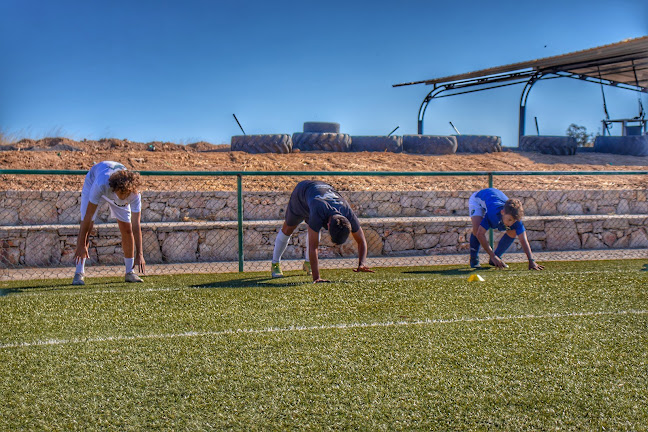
82	240
481	236
313	244
361	241
139	262
526	247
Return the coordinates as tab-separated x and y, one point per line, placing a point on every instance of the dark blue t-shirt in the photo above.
494	199
317	201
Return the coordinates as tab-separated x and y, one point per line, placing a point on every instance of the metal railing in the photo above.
189	218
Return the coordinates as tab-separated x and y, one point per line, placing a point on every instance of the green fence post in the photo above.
490	231
239	211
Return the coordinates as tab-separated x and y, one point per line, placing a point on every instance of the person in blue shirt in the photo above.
490	208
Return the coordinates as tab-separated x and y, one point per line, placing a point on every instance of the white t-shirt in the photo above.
98	177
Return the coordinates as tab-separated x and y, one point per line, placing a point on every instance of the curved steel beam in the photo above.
457	89
435	92
523	100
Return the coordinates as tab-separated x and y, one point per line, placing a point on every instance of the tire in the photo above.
262	143
623	145
430	144
321	127
331	142
553	145
382	143
478	144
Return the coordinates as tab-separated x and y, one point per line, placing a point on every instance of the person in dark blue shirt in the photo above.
320	206
491	209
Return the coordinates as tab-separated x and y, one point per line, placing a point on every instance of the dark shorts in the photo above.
296	212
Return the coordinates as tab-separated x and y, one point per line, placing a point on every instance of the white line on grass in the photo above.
322	327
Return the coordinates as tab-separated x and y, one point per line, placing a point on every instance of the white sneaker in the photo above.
275	269
79	279
132	277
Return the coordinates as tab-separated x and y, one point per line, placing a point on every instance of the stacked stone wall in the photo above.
178	242
49	207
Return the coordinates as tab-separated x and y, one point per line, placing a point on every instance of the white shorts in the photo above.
476	206
121	213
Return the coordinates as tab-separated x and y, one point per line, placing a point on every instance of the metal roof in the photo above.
623	63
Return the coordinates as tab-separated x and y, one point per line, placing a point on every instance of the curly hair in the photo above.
124	181
339	228
514	208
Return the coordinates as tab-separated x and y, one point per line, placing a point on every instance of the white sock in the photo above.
319	237
80	267
129	264
281	243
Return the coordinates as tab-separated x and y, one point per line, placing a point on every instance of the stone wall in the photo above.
47	207
178	242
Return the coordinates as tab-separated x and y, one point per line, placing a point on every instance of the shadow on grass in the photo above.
449	272
56	287
261	282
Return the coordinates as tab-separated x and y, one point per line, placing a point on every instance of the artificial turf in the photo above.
402	349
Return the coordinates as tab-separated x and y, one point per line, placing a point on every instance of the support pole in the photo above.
521	123
239	211
523	101
490	231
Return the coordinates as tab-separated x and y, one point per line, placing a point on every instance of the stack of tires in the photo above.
379	143
478	144
553	145
636	145
279	143
321	136
430	144
325	136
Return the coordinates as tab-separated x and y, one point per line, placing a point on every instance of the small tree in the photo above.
580	134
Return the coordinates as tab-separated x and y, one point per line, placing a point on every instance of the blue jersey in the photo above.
494	200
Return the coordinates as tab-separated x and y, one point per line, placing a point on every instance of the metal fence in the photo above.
228	221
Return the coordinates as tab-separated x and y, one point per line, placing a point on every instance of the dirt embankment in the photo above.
62	153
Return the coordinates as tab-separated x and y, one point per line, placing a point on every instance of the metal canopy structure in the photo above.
623	65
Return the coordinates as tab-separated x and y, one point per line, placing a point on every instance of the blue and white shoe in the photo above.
474	263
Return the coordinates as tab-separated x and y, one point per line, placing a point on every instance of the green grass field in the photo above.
402	349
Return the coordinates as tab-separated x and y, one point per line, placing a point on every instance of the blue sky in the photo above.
177	70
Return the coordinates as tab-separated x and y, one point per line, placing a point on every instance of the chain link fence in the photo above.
205	222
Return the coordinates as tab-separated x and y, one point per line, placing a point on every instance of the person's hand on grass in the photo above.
497	262
534	266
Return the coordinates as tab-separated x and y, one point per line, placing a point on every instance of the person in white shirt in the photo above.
112	182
